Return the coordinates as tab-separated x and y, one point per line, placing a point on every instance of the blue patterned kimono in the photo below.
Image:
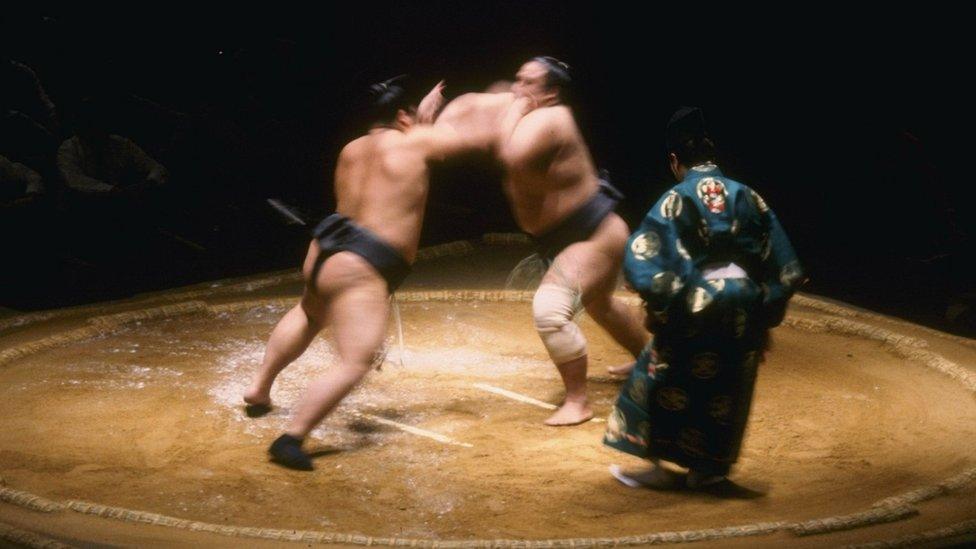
688	397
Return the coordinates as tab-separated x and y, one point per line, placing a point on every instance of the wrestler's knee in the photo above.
553	308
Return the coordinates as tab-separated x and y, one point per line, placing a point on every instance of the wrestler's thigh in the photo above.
358	308
587	268
592	266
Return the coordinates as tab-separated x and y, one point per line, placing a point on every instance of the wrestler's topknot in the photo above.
557	72
391	95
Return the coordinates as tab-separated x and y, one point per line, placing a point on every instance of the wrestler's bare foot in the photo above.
257	403
570	413
656	477
621	370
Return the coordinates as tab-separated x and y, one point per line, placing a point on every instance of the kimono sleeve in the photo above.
656	264
781	271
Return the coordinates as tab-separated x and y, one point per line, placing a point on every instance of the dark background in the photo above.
855	128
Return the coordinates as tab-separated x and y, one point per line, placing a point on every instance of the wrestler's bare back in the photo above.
382	179
381	183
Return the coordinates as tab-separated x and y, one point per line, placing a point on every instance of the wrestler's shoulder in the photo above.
352	150
355	145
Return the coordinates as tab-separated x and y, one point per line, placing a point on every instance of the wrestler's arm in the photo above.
476	116
441	142
530	135
782	273
458	111
653	264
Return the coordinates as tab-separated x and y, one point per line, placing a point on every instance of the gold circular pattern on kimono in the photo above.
790	273
704	365
666	283
672	399
616	425
717	284
712	193
720	409
646	246
692	441
698	299
671	206
760	203
638	391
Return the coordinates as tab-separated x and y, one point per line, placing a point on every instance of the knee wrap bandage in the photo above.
554	308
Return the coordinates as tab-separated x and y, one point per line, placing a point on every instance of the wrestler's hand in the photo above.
431	104
525	104
521	106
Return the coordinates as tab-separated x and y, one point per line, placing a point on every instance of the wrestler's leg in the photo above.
358	306
358	314
289	339
604	261
554	306
590	269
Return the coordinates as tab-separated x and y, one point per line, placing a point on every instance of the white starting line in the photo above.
414	430
521	398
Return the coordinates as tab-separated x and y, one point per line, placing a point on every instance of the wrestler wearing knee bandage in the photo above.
557	196
553	308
